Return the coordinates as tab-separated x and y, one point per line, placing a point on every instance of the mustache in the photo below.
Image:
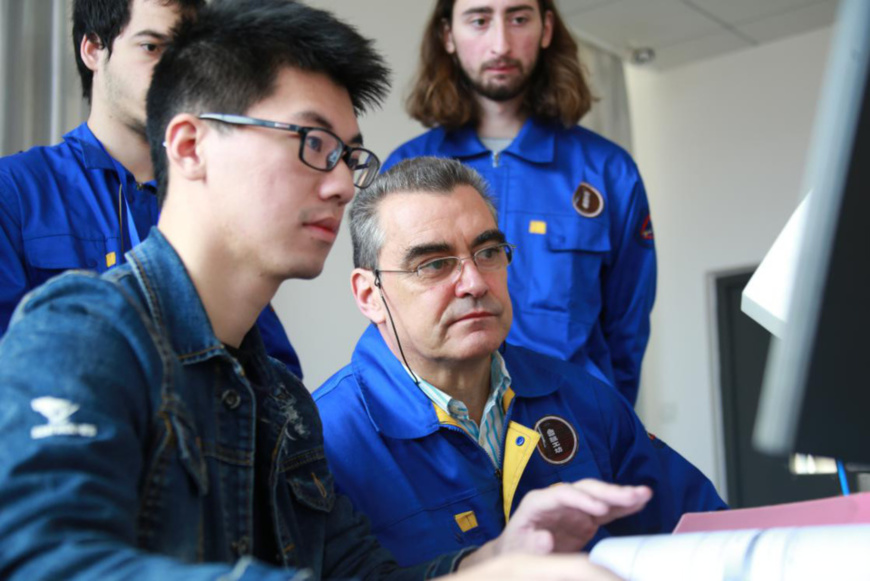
485	304
502	62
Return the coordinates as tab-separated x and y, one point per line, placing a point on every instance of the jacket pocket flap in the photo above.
312	485
65	252
583	234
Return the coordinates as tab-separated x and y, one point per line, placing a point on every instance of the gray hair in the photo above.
431	175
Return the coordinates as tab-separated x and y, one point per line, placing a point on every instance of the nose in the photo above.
469	281
500	39
338	184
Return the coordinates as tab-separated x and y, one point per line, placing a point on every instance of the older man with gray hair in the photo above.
437	428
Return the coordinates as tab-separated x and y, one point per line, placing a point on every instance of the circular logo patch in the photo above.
588	201
558	443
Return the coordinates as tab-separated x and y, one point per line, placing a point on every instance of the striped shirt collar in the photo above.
490	433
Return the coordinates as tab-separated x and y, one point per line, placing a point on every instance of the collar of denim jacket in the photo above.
172	299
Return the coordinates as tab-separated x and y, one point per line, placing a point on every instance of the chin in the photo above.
303	273
482	345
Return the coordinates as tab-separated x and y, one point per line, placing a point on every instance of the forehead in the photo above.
456	218
311	99
152	15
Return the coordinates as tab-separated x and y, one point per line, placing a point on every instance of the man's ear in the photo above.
547	36
367	295
183	141
91	50
447	37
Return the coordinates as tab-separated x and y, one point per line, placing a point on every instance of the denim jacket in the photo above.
129	443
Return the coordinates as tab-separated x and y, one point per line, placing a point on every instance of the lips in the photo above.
501	67
325	227
474	315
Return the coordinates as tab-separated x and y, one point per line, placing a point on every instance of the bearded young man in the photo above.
501	82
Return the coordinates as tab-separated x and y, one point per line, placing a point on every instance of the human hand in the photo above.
562	518
537	567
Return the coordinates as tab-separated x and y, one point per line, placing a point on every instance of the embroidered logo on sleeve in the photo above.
58	412
646	229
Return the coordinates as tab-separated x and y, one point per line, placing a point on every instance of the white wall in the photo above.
721	145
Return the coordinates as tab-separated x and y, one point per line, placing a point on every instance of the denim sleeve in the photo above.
74	372
352	551
13	275
629	282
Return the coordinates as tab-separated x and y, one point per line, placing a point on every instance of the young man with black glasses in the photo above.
438	429
146	434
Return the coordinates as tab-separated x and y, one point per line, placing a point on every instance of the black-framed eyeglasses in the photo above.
319	148
435	270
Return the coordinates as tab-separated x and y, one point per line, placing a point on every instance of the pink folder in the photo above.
852	509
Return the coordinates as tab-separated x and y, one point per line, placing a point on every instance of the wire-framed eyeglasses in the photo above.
434	270
319	148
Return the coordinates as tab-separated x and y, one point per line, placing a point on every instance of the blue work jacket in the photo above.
136	447
72	206
584	273
429	487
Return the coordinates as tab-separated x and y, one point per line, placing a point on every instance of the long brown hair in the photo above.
442	96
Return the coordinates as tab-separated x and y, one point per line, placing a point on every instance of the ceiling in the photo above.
684	31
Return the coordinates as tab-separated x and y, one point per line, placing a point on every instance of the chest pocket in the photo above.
562	266
49	256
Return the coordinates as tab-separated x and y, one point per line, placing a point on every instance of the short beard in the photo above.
498	92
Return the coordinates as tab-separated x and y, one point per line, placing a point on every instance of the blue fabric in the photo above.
412	475
59	211
587	285
151	467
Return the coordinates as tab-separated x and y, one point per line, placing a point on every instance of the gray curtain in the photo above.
609	115
40	98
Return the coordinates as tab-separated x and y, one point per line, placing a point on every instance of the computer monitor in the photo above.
816	393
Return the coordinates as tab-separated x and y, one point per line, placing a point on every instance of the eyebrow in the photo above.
152	34
415	252
321	121
494	235
488	10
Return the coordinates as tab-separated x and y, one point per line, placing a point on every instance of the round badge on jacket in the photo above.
588	201
558	443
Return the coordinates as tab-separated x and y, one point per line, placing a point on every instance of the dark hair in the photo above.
430	175
229	58
103	21
442	96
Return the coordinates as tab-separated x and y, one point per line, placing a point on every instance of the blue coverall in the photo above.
429	488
